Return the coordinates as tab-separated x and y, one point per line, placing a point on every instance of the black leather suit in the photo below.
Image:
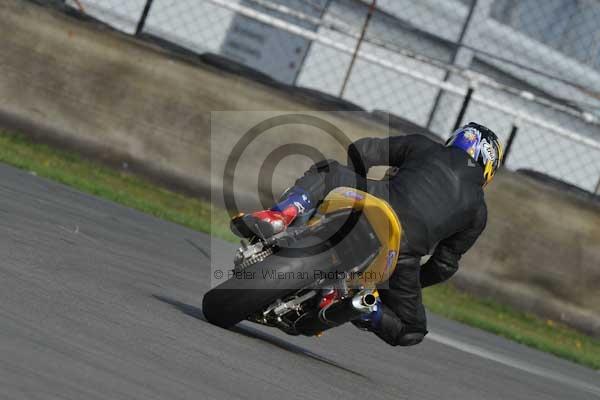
437	194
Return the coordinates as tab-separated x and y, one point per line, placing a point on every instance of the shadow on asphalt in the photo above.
196	312
282	344
204	252
187	309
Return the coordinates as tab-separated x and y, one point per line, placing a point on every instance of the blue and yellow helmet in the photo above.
482	145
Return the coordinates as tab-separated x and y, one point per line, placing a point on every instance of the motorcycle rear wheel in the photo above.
261	284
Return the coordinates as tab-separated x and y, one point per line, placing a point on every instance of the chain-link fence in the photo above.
530	70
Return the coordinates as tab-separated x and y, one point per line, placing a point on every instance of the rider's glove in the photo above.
372	320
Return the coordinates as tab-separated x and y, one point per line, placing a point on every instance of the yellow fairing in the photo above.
384	222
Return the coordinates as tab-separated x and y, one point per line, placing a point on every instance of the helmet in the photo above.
480	143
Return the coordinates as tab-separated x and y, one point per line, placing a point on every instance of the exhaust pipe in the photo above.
337	313
347	310
364	301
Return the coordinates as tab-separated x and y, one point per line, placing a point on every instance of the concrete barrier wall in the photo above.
102	91
87	87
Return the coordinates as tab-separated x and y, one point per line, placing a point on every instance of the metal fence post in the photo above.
509	142
370	13
142	22
463	108
462	56
310	43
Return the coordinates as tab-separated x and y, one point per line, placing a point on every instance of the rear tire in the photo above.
261	284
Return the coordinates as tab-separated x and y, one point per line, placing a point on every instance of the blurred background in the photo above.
528	69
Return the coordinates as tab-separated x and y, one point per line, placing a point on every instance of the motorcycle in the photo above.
315	275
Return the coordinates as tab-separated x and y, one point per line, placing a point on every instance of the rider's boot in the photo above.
267	223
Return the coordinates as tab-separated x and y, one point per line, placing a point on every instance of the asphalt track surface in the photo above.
98	301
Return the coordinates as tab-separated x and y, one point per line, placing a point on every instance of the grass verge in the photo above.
530	330
135	192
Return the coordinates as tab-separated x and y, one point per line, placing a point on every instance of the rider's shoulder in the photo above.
417	139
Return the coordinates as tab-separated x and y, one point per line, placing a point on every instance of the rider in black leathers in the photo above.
437	193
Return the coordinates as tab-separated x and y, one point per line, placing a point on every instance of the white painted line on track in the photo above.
511	362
